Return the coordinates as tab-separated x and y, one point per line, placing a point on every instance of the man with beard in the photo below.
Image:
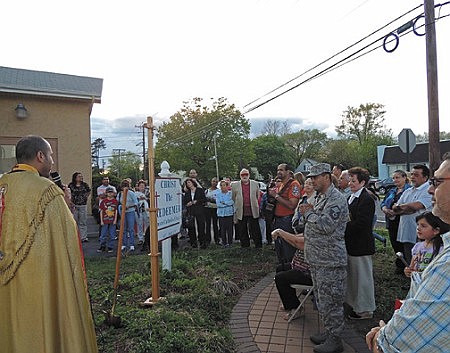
43	289
245	195
287	195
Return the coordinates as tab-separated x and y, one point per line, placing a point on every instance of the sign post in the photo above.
407	143
154	255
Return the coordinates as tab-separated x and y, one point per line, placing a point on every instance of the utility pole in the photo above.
144	160
215	157
118	151
432	85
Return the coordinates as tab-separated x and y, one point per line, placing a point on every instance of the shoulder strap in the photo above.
284	188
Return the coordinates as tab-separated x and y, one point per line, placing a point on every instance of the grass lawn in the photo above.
200	293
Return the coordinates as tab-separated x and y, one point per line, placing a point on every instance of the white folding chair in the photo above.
301	289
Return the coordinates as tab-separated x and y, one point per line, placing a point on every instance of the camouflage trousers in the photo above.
330	284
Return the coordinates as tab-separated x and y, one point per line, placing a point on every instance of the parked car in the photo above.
262	186
383	186
372	182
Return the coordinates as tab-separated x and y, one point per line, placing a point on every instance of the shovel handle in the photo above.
119	248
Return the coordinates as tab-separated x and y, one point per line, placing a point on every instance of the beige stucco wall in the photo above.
66	123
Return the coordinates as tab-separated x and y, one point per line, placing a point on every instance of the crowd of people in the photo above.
332	234
321	225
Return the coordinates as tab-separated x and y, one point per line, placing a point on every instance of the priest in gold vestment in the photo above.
44	301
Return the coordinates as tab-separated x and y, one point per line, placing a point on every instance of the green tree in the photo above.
364	126
193	134
363	122
126	165
96	146
305	144
270	151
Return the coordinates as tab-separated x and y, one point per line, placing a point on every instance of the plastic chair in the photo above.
301	288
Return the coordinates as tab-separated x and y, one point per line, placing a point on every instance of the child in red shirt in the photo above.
108	220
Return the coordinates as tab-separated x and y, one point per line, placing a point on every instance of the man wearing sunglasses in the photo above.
413	201
245	195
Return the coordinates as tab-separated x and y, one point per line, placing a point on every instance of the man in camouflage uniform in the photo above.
325	252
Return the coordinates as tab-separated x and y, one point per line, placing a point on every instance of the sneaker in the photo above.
332	344
85	240
131	248
110	250
318	338
360	316
123	247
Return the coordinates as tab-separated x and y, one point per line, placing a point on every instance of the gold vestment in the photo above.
44	301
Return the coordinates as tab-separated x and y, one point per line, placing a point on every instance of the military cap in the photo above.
319	169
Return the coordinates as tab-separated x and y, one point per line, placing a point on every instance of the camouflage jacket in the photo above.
325	228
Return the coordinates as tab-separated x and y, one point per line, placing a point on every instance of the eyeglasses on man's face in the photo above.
437	181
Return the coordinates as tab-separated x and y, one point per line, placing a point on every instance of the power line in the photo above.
212	125
381	45
331	57
331	67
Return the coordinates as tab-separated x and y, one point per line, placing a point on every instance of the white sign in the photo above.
168	202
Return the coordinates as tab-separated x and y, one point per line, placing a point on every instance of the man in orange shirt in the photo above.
287	195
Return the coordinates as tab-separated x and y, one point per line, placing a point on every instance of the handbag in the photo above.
188	221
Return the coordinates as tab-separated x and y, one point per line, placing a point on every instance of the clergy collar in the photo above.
20	167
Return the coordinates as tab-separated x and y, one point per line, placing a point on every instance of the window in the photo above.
8	153
7	157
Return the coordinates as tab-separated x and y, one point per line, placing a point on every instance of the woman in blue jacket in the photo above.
225	212
392	221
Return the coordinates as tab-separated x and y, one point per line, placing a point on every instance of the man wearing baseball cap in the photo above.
325	251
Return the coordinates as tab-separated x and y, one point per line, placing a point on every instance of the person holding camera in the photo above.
287	195
309	196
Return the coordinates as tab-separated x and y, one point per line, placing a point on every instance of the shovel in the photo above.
110	319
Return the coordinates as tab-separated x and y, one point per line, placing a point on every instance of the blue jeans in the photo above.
107	235
128	229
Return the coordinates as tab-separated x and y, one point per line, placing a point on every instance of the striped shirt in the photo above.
422	324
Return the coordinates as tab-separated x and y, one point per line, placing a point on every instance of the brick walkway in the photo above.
258	326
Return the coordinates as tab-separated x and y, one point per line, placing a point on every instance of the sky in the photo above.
153	55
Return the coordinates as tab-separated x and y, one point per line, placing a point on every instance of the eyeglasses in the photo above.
437	181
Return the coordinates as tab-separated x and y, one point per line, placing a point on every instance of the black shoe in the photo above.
332	344
318	338
85	240
360	316
102	248
110	250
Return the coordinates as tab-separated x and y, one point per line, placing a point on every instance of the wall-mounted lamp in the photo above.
21	111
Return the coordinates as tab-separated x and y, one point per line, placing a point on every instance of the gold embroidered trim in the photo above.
8	272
